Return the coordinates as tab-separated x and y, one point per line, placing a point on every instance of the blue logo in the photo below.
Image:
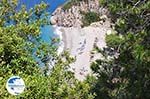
15	85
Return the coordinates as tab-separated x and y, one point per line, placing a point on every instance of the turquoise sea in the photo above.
47	31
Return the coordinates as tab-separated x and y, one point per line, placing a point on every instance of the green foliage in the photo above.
129	15
89	18
126	76
19	40
70	3
113	40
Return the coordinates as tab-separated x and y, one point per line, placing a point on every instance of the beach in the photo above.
80	42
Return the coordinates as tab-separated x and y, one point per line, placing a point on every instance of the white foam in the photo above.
61	44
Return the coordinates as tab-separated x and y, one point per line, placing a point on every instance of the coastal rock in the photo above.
73	17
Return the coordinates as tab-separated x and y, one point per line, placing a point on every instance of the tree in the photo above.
124	73
20	44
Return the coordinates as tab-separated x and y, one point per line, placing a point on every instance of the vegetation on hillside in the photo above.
90	17
70	3
124	73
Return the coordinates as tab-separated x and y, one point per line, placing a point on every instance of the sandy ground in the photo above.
80	41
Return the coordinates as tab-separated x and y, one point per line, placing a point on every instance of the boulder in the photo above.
53	20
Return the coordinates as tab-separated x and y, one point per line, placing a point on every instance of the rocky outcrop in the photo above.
73	17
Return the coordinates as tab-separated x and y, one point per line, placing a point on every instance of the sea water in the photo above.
47	31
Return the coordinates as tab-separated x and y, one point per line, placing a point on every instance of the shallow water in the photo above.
47	32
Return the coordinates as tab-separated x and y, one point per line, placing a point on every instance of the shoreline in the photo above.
59	33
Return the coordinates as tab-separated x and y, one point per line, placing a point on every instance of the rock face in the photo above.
73	17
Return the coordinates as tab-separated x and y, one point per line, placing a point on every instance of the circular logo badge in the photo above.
15	85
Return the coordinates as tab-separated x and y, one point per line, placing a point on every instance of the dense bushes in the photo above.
90	17
19	40
126	76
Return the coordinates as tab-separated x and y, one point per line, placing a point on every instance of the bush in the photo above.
89	18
